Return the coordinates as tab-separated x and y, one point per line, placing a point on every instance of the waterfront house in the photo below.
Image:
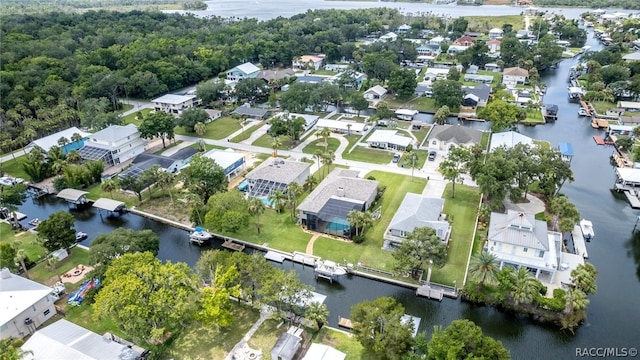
514	76
629	105
174	104
171	163
289	345
464	41
25	305
403	29
406	114
325	210
233	162
424	88
66	340
494	45
49	141
308	62
114	145
389	139
630	120
244	71
480	91
519	240
508	139
493	67
417	211
251	113
482	79
375	93
342	127
495	33
323	352
446	137
275	174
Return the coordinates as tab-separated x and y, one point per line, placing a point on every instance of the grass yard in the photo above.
366	154
352	139
217	129
497	77
602	106
133	117
462	211
323	72
319	145
278	231
342	341
420	103
421	134
267	335
266	140
83	315
43	274
96	192
14	168
422	158
534	117
484	141
337	250
485	23
23	240
209	342
247	133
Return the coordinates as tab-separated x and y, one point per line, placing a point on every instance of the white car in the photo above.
7	181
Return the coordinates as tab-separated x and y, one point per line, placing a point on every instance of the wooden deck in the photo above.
598	140
579	245
429	292
232	246
587	107
633	199
345	323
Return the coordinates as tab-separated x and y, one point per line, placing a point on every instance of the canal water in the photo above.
613	315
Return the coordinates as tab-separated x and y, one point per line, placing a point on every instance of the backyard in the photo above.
267	335
44	274
133	118
248	131
421	134
26	240
216	130
266	141
14	167
420	103
342	341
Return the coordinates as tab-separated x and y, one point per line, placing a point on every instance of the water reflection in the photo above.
633	249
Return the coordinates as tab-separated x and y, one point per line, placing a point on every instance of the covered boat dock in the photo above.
566	150
110	205
73	196
629	182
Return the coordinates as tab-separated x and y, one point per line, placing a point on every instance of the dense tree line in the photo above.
625	4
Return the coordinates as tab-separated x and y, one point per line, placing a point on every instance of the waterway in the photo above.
613	314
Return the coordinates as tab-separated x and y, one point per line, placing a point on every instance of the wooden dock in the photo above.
599	123
598	140
579	245
429	292
587	107
345	323
233	246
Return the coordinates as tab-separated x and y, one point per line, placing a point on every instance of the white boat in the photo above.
587	229
329	270
81	236
200	236
582	112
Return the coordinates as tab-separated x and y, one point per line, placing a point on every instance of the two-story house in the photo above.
174	104
244	71
308	62
514	76
495	33
519	240
114	145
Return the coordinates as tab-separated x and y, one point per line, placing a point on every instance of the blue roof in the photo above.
566	149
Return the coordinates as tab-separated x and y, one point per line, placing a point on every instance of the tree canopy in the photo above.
108	246
58	231
157	124
227	212
463	339
449	93
204	177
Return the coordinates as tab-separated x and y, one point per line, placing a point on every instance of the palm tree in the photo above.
356	219
63	141
76	137
294	190
10	350
318	156
483	268
576	300
525	287
195	202
275	144
325	132
367	220
277	199
256	208
310	183
109	186
349	128
166	180
327	159
200	128
53	264
584	278
317	313
21	256
74	156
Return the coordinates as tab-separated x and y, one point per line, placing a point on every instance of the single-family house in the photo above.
336	67
25	305
434	73
403	29
375	93
417	211
349	79
480	91
172	163
446	137
406	114
464	40
341	126
275	174
436	41
424	88
495	33
175	104
629	120
508	139
494	45
309	120
49	141
66	340
522	98
390	36
244	71
389	139
275	75
214	114
517	239
629	105
472	69
311	79
456	49
114	145
289	345
428	50
492	67
524	34
308	62
474	35
514	76
233	162
481	79
323	352
251	112
325	210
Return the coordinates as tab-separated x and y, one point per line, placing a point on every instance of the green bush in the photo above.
358	239
557	303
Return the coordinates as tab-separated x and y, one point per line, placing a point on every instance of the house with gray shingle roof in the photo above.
325	210
275	174
252	113
446	137
417	211
517	239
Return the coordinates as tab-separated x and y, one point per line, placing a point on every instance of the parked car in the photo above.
396	158
432	155
7	181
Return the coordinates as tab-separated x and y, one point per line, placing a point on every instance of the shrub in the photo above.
557	303
358	239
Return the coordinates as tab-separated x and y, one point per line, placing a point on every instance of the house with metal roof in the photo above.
49	141
24	305
114	145
251	113
244	71
517	239
233	162
289	345
389	139
508	139
417	211
375	93
325	210
174	104
341	126
172	163
446	137
276	174
323	352
66	340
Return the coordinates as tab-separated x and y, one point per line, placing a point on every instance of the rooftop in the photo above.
378	90
515	71
390	137
247	68
352	187
17	294
224	158
508	139
278	170
71	194
455	133
173	99
520	229
249	111
341	125
115	133
417	211
47	142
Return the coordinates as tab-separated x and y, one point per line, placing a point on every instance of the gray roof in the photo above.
71	194
17	294
115	132
183	153
354	189
286	346
278	170
276	74
66	340
472	77
249	111
482	91
173	99
310	79
456	133
517	228
108	204
146	161
417	211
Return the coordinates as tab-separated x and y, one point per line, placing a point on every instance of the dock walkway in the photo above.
430	292
579	245
633	199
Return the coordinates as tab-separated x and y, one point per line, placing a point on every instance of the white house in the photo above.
436	41
309	120
494	45
508	139
403	29
336	67
495	33
24	305
232	162
308	62
244	71
174	104
339	126
517	239
375	93
417	211
492	67
391	36
114	145
514	76
323	352
436	73
446	137
388	139
214	114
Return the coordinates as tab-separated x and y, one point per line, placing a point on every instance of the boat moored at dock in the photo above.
587	229
329	270
200	236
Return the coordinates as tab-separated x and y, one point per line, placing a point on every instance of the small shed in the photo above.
288	345
60	254
73	196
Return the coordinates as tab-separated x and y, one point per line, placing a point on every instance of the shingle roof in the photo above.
515	71
353	188
278	170
183	153
275	74
482	91
249	111
115	132
418	211
517	228
455	133
145	161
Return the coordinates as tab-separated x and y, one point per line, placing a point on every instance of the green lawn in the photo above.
124	107
159	152
420	103
422	157
337	250
267	335
485	23
352	139
319	145
133	117
602	106
96	192
422	133
217	129
266	140
462	211
366	154
23	240
247	132
209	342
534	117
484	141
344	342
42	273
323	72
497	77
14	168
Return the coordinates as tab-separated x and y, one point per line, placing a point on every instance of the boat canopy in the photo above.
566	149
108	204
72	194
